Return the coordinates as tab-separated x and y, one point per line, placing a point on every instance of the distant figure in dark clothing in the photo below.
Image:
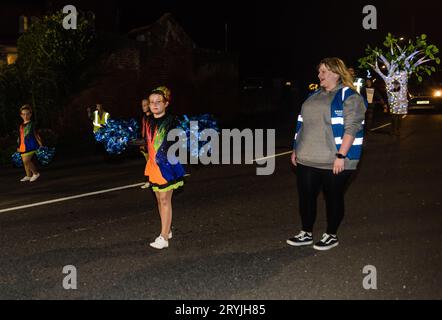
143	149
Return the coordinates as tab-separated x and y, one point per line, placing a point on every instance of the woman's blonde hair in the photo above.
338	66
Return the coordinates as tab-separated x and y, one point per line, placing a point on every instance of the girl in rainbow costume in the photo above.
164	177
28	143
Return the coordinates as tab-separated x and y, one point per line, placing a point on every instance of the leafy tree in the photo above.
50	58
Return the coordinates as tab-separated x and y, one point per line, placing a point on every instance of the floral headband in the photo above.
164	91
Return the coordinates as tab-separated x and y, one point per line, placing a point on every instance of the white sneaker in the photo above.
170	235
145	186
327	242
302	239
34	177
160	243
26	178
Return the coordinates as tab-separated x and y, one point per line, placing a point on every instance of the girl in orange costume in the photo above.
163	176
28	143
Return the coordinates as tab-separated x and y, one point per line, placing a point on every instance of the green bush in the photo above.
50	62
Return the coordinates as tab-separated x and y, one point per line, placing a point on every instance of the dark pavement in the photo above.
230	228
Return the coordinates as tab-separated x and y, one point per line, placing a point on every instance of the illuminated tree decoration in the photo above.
398	63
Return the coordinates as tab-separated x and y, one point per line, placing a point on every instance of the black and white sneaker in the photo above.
327	242
302	239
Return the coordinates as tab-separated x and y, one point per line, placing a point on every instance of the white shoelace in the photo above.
326	236
301	235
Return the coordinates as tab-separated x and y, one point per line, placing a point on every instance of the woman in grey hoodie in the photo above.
327	149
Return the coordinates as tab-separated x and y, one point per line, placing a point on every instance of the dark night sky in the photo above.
276	37
288	38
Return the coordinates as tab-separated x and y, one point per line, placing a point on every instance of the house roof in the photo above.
164	32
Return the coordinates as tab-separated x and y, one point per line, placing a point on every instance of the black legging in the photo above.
310	180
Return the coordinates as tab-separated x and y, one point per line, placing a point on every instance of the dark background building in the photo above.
274	38
260	44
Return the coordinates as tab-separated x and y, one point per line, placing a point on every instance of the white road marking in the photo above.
380	127
386	125
273	156
73	197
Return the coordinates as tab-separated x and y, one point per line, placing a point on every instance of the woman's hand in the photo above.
293	158
338	166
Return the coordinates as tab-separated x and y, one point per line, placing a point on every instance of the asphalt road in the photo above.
230	227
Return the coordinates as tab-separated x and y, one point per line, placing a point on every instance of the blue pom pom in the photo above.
205	121
17	160
45	155
116	134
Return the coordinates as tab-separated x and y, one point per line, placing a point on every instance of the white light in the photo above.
438	93
358	84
